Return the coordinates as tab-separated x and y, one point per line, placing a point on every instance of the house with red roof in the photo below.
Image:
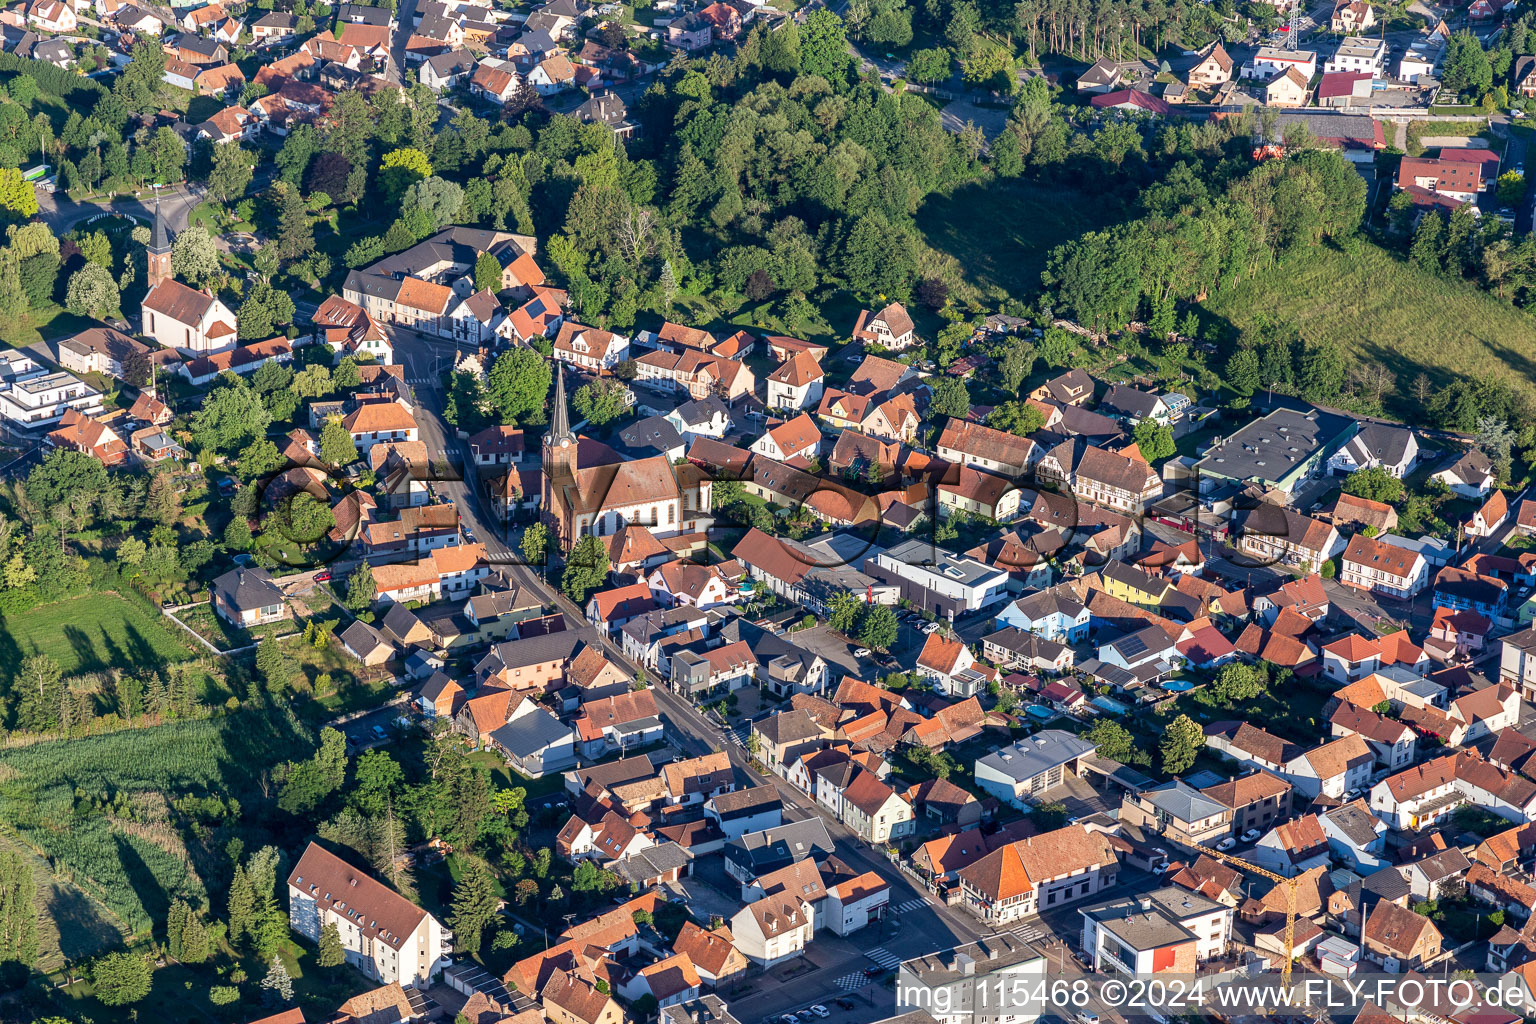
1207	647
1133	100
891	328
1344	88
1492	515
948	663
1354	657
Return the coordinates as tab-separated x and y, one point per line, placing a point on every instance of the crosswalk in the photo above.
883	957
909	906
856	980
1029	933
737	735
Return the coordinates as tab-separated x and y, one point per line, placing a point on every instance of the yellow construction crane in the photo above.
1290	902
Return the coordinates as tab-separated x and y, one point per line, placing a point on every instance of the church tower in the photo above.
559	459
159	252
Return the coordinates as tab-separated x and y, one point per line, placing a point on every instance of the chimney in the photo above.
965	964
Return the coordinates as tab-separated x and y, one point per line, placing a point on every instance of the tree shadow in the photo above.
86	658
151	895
83	930
141	652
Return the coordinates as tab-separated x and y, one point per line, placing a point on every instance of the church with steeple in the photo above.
193	322
591	490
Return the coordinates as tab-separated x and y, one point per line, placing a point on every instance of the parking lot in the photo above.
375	728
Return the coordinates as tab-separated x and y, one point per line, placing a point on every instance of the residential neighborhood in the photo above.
763	513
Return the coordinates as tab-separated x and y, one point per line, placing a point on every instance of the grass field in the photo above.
42	324
1002	231
88	634
1381	308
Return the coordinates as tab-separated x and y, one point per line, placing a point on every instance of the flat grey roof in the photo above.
944	967
1036	754
930	556
1271	447
1182	801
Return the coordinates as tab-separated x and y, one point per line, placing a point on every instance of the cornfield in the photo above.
82	802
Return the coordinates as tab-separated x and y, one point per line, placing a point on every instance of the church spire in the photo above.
159	252
559	415
159	240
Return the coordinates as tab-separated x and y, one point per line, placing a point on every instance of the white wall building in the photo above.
386	936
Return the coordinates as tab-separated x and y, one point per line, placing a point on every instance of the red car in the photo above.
323	577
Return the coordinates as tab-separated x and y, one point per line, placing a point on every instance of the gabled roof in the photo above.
1396	928
377	911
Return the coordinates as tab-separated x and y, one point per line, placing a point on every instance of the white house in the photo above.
1166	930
1393	448
385	935
774	928
1356	53
1420	796
373	422
534	741
1471	476
853	904
701	417
970	584
891	328
1271	60
797	384
948	664
799	436
38	398
1292	847
1335	769
1055	614
589	347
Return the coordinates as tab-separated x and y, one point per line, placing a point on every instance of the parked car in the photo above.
931	628
323	576
821	1011
1226	844
1251	835
862	652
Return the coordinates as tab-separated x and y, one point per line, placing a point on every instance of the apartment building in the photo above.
385	935
1383	568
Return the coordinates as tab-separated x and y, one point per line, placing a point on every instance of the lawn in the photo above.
506	777
1380	308
89	634
42	324
1002	231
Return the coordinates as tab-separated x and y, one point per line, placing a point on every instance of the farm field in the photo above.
103	810
88	634
1380	308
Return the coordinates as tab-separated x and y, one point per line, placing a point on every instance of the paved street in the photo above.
177	201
